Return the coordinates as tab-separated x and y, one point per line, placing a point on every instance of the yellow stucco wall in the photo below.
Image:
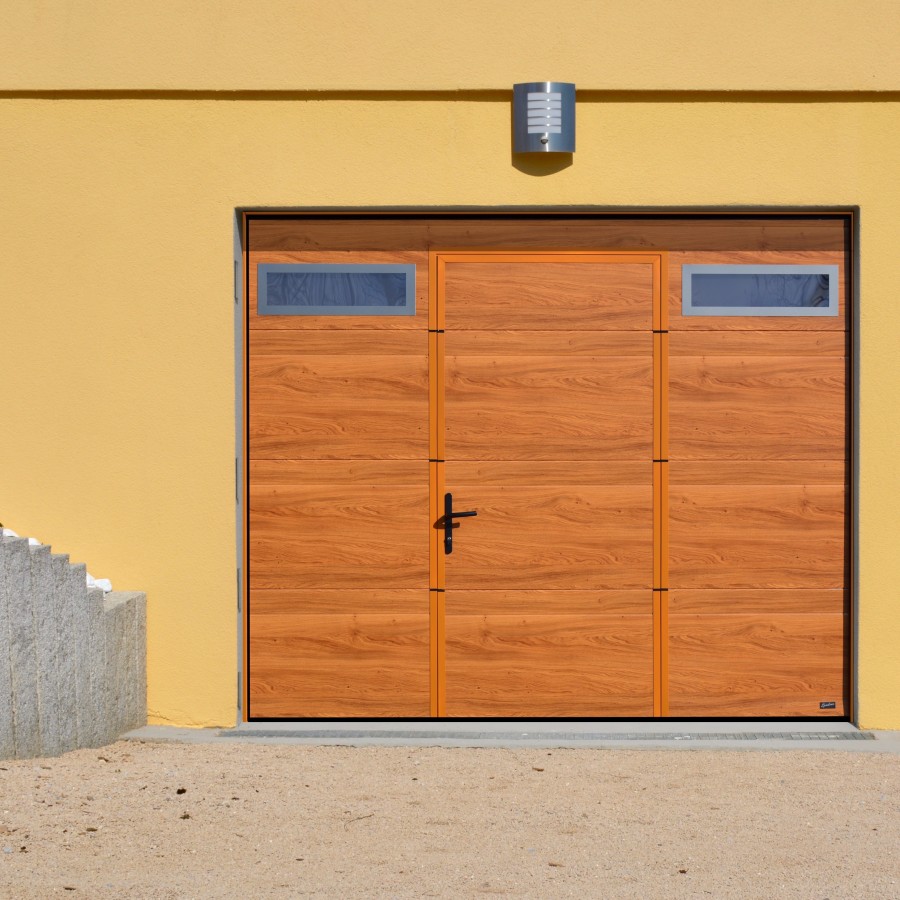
120	182
117	330
822	45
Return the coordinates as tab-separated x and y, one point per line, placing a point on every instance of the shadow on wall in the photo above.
541	163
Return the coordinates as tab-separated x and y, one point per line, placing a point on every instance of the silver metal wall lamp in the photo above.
544	117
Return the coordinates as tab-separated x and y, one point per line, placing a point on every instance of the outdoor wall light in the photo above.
544	117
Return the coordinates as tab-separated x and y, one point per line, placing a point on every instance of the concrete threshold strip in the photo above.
606	735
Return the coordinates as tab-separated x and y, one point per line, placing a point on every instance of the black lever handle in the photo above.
449	516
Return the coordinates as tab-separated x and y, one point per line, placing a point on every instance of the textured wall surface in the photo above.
769	45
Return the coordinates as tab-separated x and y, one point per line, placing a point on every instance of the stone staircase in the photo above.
72	659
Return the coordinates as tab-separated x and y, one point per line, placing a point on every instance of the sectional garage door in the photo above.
660	495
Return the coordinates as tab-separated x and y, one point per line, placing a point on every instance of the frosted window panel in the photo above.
323	289
760	290
338	289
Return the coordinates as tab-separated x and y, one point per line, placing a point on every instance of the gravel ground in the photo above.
167	820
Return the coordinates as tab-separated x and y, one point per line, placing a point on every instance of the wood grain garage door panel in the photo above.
755	407
353	532
589	536
536	233
338	395
549	653
740	344
548	395
766	664
733	602
545	408
754	536
337	654
760	472
566	296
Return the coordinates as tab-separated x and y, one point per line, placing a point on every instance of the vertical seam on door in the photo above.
660	325
436	375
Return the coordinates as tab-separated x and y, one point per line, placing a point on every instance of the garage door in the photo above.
657	498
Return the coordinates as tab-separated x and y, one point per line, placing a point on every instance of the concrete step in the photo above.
125	625
72	660
7	725
46	638
66	658
23	661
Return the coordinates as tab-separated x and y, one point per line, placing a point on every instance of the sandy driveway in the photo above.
178	820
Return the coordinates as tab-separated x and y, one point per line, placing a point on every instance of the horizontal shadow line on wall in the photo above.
468	96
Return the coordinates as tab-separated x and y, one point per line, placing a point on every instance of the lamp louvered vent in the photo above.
544	112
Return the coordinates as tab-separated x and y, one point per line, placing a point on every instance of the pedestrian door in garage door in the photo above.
546	429
534	389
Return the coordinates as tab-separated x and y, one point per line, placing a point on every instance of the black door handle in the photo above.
449	516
